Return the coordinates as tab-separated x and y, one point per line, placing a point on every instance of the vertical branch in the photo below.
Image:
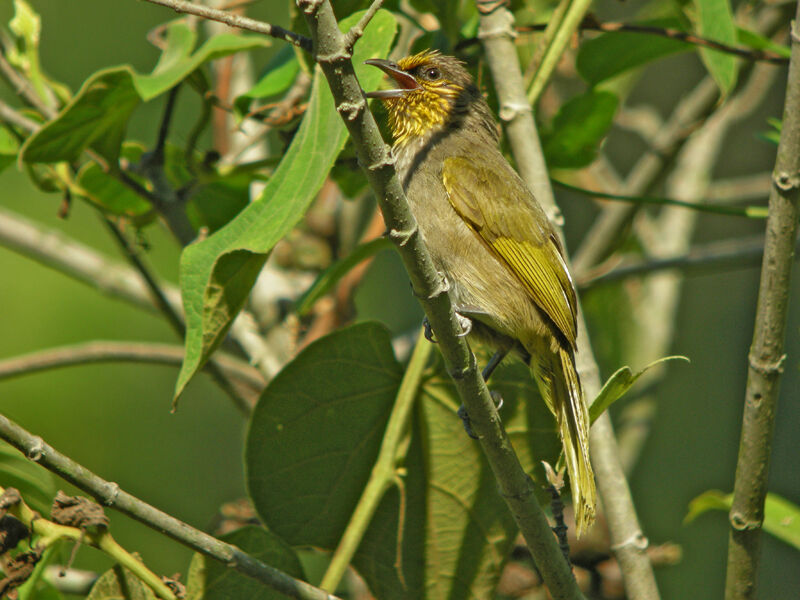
628	541
766	353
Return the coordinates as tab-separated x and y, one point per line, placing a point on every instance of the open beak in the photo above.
405	81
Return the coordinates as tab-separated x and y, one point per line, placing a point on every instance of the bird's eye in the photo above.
432	74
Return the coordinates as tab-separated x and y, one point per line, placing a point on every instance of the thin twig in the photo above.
731	253
766	356
357	30
237	21
23	87
9	115
590	23
110	494
100	351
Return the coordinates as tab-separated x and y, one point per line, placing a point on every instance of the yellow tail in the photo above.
560	388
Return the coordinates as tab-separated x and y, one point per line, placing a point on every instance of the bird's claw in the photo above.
427	331
464	416
465	323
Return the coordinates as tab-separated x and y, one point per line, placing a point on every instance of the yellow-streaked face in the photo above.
425	98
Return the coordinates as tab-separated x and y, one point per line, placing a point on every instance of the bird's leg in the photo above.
496	359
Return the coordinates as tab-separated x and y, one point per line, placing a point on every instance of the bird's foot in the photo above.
427	331
466	324
464	416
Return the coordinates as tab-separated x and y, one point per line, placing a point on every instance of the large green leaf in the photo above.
456	531
577	130
619	383
611	54
781	517
98	115
715	22
212	580
217	273
120	584
316	431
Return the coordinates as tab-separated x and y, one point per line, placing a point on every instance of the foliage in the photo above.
331	380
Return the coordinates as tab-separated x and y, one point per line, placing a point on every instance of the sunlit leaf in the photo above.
619	383
715	22
781	517
213	291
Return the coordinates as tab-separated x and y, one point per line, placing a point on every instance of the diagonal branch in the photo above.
516	487
109	494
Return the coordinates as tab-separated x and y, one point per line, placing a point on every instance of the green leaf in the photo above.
209	579
120	584
611	54
107	192
456	531
36	485
212	293
781	517
9	146
756	41
280	74
574	136
331	276
316	431
619	383
97	116
715	22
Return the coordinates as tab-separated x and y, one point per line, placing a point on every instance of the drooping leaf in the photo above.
577	130
212	293
781	517
209	579
715	22
120	584
619	383
316	431
98	115
611	54
34	483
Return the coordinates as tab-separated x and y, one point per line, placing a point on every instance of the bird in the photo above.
490	239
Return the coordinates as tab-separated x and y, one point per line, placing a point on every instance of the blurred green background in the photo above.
116	420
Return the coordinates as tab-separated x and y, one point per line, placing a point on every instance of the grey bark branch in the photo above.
109	493
628	541
516	487
766	353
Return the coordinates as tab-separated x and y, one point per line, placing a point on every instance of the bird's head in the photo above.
431	90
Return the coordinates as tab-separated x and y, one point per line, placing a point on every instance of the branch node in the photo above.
794	33
505	29
402	237
351	110
511	110
37	449
786	182
767	368
741	523
333	57
386	160
487	7
637	541
309	7
111	493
